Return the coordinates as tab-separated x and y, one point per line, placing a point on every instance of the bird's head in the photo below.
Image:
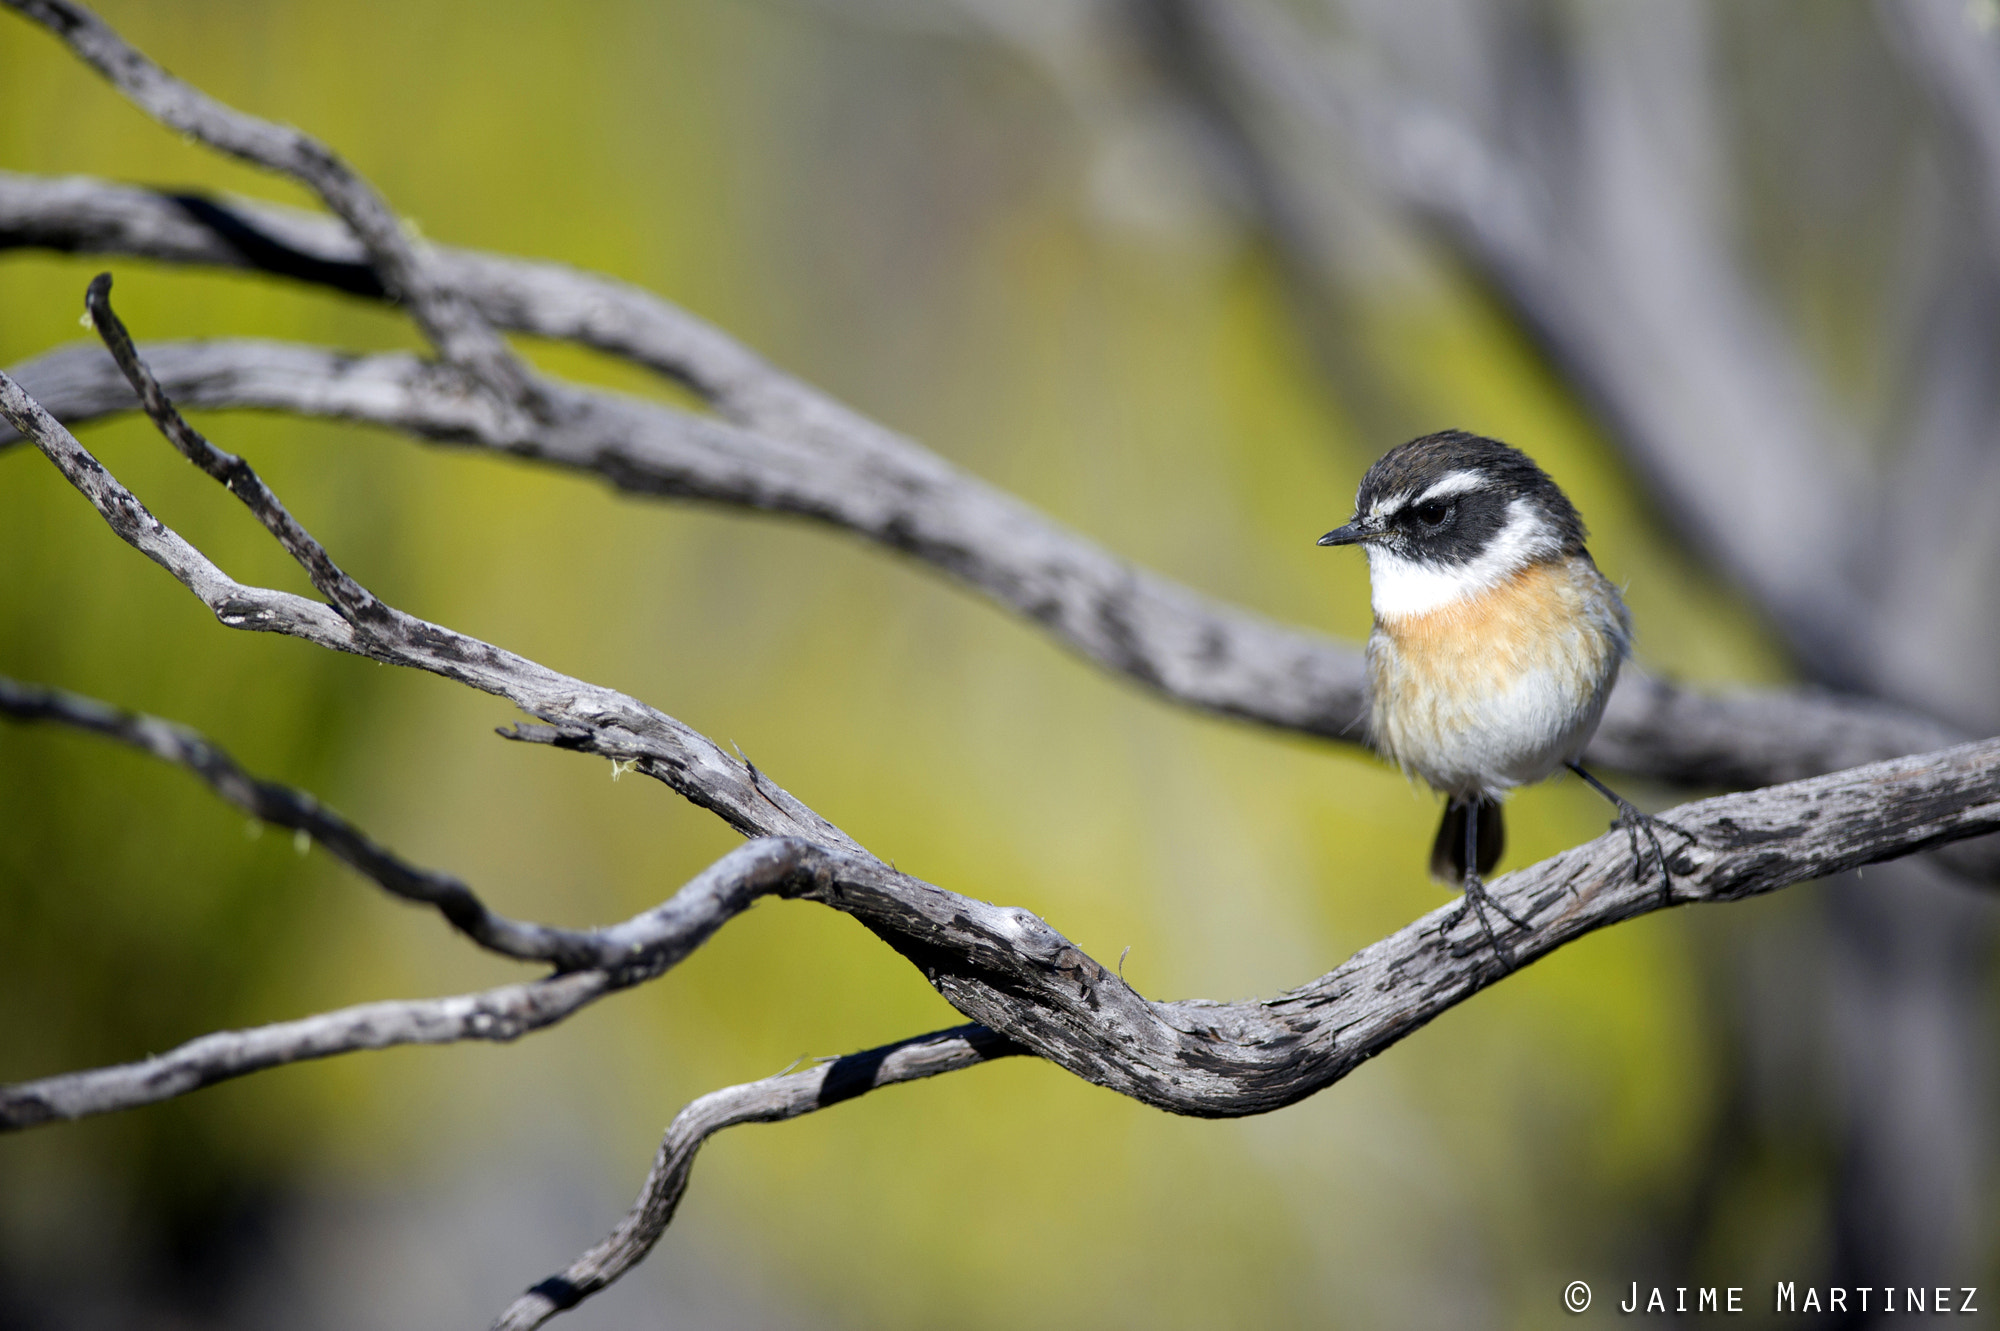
1450	515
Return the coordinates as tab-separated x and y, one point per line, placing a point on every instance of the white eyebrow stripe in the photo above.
1388	504
1453	483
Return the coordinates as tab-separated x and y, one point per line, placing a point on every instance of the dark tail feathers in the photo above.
1448	851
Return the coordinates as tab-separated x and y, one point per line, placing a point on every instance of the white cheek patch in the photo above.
1400	588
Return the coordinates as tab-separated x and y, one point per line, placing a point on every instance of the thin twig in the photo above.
287	807
503	1014
355	602
447	319
611	724
787	1095
619	956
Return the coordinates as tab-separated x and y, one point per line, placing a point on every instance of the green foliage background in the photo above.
905	220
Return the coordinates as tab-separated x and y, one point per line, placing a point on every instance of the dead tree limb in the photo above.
288	807
461	335
506	1013
1005	968
786	448
1028	986
772	1100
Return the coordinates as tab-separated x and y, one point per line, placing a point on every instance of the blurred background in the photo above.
1176	272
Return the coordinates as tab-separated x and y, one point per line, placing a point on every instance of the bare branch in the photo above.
1003	967
1008	969
355	602
816	458
813	457
285	806
1269	1054
1192	649
617	957
506	1013
787	1095
1196	649
80	215
609	723
453	326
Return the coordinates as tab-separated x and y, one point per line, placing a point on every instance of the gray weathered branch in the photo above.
1242	1058
1191	648
641	948
771	1100
605	960
606	722
506	1013
803	453
1008	969
355	603
287	807
461	335
1004	967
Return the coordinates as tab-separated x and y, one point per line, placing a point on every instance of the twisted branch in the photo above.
1243	1058
771	1100
1011	971
461	335
288	807
1004	967
1188	648
1030	988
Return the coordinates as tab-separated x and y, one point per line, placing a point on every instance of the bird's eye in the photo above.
1434	513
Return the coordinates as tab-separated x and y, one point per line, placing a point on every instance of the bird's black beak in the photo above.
1354	533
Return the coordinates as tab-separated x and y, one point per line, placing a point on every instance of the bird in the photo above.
1495	645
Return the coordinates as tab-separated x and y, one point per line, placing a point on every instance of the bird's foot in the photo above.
1477	899
1638	824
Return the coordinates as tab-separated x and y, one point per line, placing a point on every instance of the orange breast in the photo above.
1495	683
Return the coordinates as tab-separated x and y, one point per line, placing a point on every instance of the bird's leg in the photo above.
1636	824
1477	898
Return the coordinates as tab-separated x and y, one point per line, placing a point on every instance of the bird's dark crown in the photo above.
1444	500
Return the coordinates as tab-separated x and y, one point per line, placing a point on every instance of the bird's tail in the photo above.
1448	851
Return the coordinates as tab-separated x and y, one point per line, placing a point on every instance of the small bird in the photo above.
1496	640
